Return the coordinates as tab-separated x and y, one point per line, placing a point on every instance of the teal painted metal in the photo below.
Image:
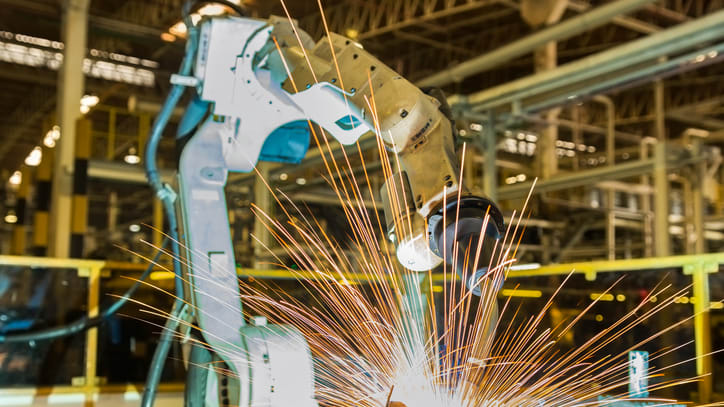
287	144
638	383
638	374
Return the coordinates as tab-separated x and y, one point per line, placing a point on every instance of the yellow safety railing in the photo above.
88	386
697	266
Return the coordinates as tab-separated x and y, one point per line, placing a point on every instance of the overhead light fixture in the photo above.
89	100
179	29
168	37
48	142
35	157
16	179
301	181
212	10
132	156
11	217
39	52
283	176
134	228
52	136
352	33
476	127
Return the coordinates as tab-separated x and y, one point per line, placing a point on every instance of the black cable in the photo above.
84	323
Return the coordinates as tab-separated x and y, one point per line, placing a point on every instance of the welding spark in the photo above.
375	332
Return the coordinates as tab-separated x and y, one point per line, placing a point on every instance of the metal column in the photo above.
697	197
264	200
700	276
18	243
610	161
41	199
490	173
576	132
79	218
546	59
702	326
70	90
113	215
662	243
646	202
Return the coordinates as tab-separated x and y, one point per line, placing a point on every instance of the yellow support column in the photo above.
90	381
702	326
79	220
71	82
111	146
43	186
18	243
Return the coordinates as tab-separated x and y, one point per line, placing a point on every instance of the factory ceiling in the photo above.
417	38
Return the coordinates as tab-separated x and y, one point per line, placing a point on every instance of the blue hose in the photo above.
167	197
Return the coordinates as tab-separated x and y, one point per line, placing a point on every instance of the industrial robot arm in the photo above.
264	81
269	79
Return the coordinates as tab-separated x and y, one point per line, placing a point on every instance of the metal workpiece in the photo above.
466	234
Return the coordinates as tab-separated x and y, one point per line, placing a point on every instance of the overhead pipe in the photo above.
566	29
629	79
674	40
